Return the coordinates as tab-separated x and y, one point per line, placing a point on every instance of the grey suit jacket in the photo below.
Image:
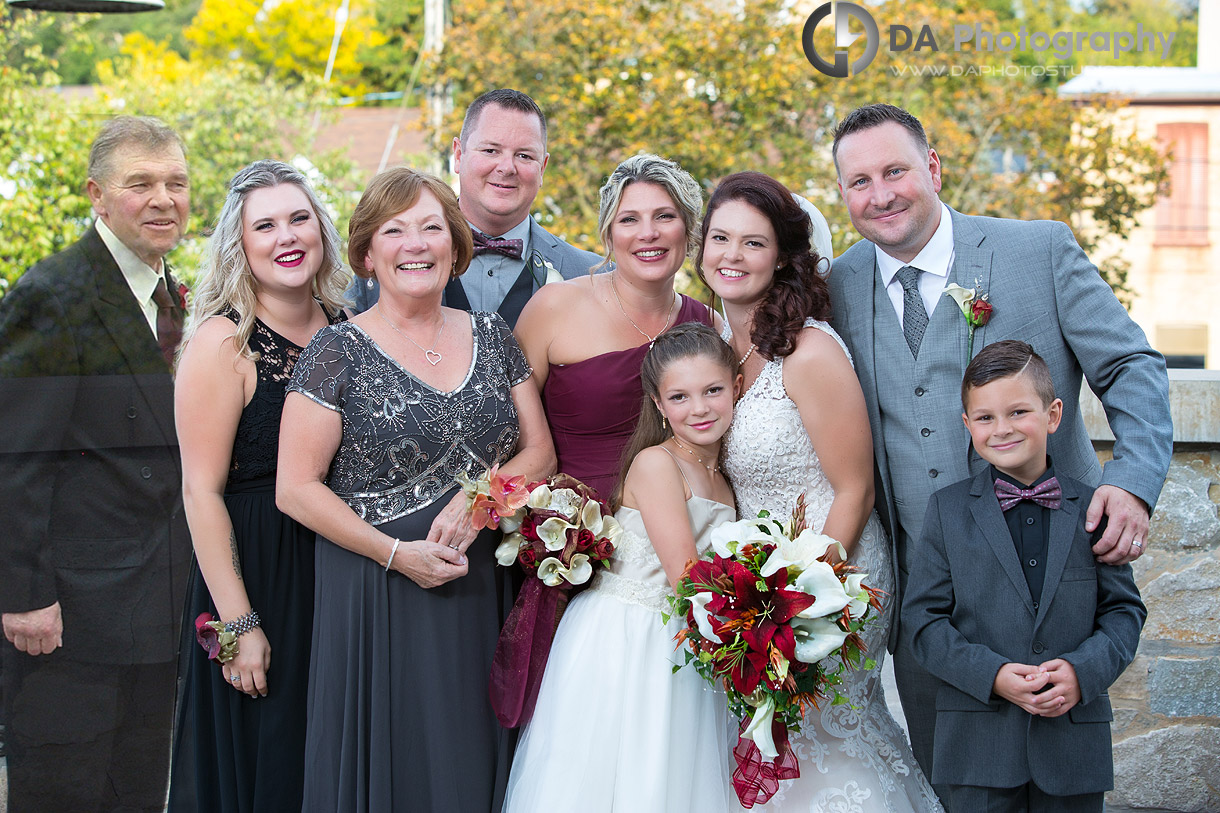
568	260
1046	292
969	611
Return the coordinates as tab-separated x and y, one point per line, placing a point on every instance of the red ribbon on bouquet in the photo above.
522	651
756	780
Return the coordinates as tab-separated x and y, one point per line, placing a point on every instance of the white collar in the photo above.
936	257
141	278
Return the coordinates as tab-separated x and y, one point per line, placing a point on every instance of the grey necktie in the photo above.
914	315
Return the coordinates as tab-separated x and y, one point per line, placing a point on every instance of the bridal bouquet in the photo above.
558	532
772	619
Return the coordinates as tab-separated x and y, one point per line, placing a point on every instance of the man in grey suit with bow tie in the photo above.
911	344
500	157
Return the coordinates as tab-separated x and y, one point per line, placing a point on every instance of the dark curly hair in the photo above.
797	291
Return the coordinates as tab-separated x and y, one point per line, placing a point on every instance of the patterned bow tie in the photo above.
1047	494
497	245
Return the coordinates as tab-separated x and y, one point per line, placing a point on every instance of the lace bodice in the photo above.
403	441
767	453
257	441
635	574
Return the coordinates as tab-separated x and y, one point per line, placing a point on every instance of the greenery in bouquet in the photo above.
773	617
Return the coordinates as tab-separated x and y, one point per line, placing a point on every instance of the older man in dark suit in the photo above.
500	157
94	548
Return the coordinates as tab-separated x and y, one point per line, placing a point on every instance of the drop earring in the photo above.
369	283
664	426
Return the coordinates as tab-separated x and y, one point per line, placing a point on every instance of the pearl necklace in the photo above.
741	361
712	468
668	318
433	357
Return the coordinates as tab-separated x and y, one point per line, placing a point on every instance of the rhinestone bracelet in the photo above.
243	623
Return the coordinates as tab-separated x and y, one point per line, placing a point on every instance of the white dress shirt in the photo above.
141	279
934	259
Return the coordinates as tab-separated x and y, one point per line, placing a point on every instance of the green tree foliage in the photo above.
726	87
228	116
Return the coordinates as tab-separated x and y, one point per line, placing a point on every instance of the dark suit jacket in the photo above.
92	497
969	611
544	247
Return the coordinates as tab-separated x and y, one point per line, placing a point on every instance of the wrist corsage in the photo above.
219	638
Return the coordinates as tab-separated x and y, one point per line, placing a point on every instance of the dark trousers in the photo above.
86	737
1027	798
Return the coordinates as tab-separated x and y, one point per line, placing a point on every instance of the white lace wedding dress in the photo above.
853	758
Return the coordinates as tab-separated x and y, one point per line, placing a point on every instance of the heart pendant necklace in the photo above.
433	357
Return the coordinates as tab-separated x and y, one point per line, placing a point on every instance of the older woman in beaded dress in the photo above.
382	413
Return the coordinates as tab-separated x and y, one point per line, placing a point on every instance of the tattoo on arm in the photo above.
233	549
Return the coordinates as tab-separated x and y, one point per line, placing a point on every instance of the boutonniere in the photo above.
544	273
182	292
975	308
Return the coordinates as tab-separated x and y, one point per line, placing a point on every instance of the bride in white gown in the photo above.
801	427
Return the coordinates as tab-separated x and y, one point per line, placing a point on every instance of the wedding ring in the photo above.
235	678
1135	543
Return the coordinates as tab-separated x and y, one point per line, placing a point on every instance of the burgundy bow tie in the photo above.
1047	494
498	245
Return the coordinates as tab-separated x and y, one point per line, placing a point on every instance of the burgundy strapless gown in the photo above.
593	405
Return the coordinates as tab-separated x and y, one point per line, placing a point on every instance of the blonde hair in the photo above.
682	189
227	281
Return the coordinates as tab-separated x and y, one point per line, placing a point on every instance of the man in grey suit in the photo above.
500	157
910	343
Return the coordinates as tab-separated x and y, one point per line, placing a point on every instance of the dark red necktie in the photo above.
1047	494
169	320
498	245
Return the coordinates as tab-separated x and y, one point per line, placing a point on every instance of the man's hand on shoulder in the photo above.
36	632
1126	525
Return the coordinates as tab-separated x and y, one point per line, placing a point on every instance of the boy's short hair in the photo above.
1004	359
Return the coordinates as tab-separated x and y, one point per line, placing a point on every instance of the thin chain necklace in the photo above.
712	468
622	310
433	357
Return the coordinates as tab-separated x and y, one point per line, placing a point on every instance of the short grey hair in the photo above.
682	189
145	132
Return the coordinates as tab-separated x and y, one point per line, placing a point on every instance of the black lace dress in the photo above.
399	715
233	752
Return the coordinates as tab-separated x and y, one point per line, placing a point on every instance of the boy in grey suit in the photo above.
1009	607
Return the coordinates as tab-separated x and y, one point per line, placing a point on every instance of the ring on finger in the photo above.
1135	543
235	678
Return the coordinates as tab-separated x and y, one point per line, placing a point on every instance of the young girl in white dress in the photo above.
801	428
614	728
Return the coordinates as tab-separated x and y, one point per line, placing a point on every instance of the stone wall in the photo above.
1167	704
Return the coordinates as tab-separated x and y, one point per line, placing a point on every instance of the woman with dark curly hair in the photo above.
801	427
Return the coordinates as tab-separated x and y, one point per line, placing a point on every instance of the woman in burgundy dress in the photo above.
586	338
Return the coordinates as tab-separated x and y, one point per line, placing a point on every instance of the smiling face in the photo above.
648	235
500	168
411	254
1009	425
281	237
144	199
740	253
696	396
891	187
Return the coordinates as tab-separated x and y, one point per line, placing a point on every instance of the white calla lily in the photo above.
759	728
703	618
540	497
512	522
819	580
554	533
506	551
962	296
611	529
800	553
859	596
816	638
580	571
728	537
549	570
591	517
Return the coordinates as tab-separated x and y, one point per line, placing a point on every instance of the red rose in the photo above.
527	527
980	312
604	549
585	540
528	559
182	292
207	636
